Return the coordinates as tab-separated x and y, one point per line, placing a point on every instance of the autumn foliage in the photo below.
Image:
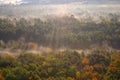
67	65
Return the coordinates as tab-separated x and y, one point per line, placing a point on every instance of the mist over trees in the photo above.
29	48
59	39
62	32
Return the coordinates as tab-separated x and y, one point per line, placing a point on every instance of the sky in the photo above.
16	2
10	2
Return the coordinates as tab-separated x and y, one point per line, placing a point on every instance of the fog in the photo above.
78	9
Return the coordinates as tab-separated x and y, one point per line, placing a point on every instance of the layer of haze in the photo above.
58	7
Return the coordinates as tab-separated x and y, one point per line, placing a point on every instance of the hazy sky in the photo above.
59	1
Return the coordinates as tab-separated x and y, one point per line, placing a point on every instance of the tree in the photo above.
78	75
1	77
113	71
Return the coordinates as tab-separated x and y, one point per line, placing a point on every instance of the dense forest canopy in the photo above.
62	32
67	65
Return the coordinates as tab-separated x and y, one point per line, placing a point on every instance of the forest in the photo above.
61	45
64	32
67	65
